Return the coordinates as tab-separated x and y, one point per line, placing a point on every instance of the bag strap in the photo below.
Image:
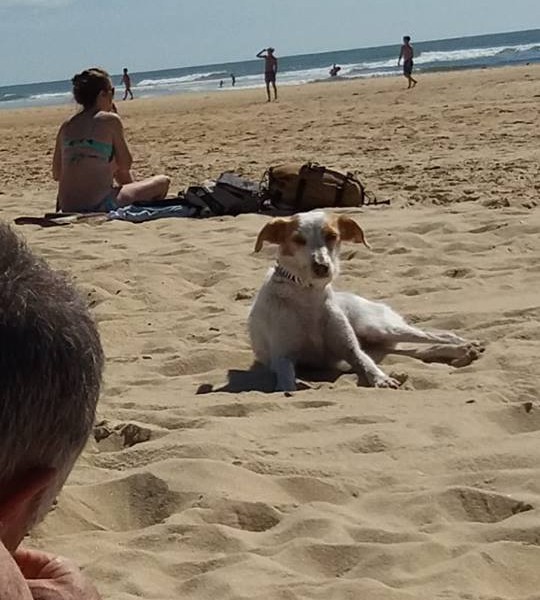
367	198
300	189
201	197
340	189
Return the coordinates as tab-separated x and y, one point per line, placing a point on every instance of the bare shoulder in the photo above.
64	127
110	120
108	117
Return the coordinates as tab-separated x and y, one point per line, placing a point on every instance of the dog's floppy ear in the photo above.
274	232
350	231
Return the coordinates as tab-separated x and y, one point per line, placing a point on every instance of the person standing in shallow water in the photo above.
270	70
126	80
407	54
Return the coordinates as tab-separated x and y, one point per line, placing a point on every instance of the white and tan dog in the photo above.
297	317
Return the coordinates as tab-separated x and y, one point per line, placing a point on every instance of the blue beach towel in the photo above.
139	214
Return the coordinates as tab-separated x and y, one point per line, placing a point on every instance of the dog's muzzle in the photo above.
320	269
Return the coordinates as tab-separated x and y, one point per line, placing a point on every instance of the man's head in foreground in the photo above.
50	373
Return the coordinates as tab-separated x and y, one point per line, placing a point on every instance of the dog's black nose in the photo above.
320	269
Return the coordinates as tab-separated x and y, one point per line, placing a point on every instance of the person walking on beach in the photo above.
407	54
233	79
270	70
126	80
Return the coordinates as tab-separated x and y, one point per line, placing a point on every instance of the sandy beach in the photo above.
198	487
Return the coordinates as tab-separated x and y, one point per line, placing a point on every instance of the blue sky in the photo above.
43	40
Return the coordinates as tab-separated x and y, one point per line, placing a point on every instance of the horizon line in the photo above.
205	65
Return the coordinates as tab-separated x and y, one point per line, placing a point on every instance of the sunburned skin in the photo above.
92	161
86	175
12	583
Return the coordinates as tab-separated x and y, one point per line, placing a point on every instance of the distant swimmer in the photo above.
334	70
270	70
233	79
407	54
126	80
221	83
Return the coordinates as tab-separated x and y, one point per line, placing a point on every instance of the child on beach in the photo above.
407	54
126	80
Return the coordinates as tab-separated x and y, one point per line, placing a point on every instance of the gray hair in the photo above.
51	363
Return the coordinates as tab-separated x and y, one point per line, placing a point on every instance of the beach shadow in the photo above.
256	379
260	379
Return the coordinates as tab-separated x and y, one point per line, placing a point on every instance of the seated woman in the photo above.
91	154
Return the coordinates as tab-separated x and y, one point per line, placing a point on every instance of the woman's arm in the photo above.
123	177
122	156
57	156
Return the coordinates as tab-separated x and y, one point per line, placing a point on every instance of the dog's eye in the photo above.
300	240
331	237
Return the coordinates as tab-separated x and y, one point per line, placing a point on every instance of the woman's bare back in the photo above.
86	146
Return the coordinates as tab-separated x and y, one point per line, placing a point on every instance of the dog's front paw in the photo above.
385	381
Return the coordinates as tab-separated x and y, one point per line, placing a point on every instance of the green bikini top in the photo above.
103	149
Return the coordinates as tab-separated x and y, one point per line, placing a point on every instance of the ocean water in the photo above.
497	50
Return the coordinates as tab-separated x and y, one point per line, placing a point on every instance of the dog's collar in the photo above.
284	274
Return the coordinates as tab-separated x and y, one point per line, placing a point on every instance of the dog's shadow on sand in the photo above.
260	379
